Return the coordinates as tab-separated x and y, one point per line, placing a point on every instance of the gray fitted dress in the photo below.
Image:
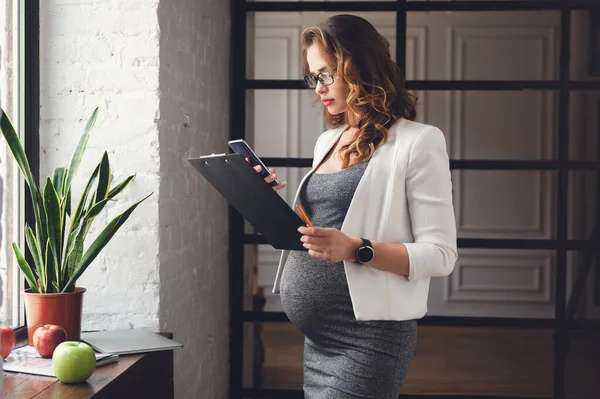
343	357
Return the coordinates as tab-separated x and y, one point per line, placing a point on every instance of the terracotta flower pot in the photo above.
63	309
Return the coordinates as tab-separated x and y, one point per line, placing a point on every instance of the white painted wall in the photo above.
194	120
159	72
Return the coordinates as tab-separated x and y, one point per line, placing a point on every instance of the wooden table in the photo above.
147	375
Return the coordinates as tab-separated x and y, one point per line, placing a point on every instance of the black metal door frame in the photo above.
562	166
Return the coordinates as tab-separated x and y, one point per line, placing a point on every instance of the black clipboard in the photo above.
253	198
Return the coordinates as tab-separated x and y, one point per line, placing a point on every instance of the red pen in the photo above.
303	214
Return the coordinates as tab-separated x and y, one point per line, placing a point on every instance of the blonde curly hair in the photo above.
360	57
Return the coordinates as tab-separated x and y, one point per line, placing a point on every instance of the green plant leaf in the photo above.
50	269
16	148
79	241
100	242
41	225
73	252
78	154
58	179
63	186
68	203
103	179
79	211
36	253
54	215
96	209
64	212
120	187
26	269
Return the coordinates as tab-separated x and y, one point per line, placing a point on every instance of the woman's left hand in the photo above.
329	244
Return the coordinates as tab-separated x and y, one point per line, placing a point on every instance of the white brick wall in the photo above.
194	120
159	72
85	62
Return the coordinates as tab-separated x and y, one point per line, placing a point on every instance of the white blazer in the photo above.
404	196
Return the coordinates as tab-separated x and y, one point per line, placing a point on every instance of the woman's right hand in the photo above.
272	176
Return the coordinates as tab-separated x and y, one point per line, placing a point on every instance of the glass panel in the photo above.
585	44
504	204
507	45
496	283
287	123
275	356
506	125
483	361
583	363
584	125
583	359
265	269
583	286
9	176
583	204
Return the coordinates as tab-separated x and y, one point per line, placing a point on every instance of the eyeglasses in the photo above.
325	77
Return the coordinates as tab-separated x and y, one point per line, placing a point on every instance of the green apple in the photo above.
73	361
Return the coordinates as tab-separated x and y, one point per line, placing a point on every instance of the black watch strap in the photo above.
365	253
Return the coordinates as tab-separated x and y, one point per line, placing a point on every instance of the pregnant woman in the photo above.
379	196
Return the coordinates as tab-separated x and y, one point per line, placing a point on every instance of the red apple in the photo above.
47	337
7	341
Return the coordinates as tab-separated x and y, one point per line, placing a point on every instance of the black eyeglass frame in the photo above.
311	79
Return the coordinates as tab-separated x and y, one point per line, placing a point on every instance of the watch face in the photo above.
365	254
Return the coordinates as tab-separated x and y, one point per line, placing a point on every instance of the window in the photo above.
11	185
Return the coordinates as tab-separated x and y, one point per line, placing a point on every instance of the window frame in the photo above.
27	115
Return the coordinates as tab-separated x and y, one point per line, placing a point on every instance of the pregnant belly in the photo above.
314	293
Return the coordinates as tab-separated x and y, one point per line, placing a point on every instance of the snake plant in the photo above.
57	245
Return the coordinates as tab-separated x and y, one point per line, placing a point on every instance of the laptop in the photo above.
123	342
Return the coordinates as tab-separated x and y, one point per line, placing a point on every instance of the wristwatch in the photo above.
365	253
